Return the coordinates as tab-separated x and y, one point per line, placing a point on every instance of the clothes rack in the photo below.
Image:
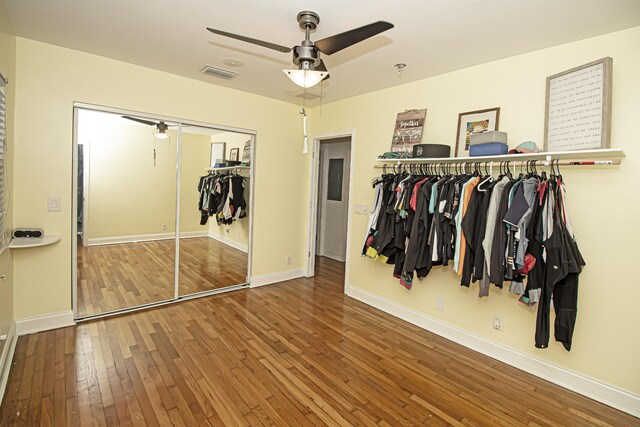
595	157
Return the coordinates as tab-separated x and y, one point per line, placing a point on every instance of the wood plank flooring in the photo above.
112	277
298	353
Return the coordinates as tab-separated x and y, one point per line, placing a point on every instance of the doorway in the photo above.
330	194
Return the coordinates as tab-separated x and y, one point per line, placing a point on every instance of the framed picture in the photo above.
217	152
474	122
578	108
246	152
408	131
234	154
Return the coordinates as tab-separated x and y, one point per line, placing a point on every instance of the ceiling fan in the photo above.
311	69
161	126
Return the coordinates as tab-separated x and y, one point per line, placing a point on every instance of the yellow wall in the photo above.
127	195
194	159
604	202
51	78
7	67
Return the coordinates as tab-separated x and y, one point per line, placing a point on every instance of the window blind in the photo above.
3	139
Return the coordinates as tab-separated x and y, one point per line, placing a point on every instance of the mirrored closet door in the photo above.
126	212
162	213
214	203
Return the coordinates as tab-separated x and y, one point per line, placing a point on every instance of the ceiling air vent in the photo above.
308	96
218	72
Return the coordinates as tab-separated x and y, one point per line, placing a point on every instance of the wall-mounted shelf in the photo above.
31	242
228	168
612	154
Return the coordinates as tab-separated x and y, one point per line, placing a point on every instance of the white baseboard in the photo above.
190	234
334	256
97	241
594	389
6	357
229	242
31	325
280	276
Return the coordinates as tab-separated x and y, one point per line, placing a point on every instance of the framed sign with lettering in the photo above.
408	131
578	108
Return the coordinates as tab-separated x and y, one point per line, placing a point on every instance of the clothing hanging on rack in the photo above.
510	229
222	197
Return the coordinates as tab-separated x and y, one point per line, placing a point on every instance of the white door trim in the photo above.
314	172
74	216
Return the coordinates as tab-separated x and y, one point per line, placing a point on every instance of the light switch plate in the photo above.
53	204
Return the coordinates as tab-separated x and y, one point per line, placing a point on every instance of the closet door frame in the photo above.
74	220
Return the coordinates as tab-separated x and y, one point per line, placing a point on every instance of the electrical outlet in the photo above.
226	230
288	260
164	226
440	303
498	322
364	209
357	209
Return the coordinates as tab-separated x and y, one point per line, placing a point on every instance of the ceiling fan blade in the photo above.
135	119
341	41
262	43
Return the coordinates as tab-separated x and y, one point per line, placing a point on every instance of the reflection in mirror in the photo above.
126	211
214	199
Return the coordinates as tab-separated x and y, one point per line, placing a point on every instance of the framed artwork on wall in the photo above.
474	122
234	154
578	108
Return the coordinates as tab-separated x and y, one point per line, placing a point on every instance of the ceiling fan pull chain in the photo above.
305	148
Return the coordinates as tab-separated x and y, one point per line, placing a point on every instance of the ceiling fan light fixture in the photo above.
306	78
161	134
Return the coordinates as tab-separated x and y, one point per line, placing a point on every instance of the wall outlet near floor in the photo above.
226	230
288	260
498	322
164	226
440	303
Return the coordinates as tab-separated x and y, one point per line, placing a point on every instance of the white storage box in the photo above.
489	136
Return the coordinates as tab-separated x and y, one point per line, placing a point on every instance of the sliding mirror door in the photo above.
214	204
126	211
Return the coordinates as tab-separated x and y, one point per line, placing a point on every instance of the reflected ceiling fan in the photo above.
311	69
161	126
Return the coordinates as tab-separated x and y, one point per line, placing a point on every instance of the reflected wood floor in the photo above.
297	353
112	277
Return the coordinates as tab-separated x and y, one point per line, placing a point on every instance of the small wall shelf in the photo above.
30	242
613	154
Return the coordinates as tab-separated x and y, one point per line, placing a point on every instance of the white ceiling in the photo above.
431	36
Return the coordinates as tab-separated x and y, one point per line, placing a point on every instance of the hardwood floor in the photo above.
112	277
298	353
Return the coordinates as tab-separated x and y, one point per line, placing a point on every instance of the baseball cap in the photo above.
525	147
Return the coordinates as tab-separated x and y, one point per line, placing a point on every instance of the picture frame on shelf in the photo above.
472	122
578	108
217	153
234	154
408	131
246	152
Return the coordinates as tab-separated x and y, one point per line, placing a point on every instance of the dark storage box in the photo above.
431	150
